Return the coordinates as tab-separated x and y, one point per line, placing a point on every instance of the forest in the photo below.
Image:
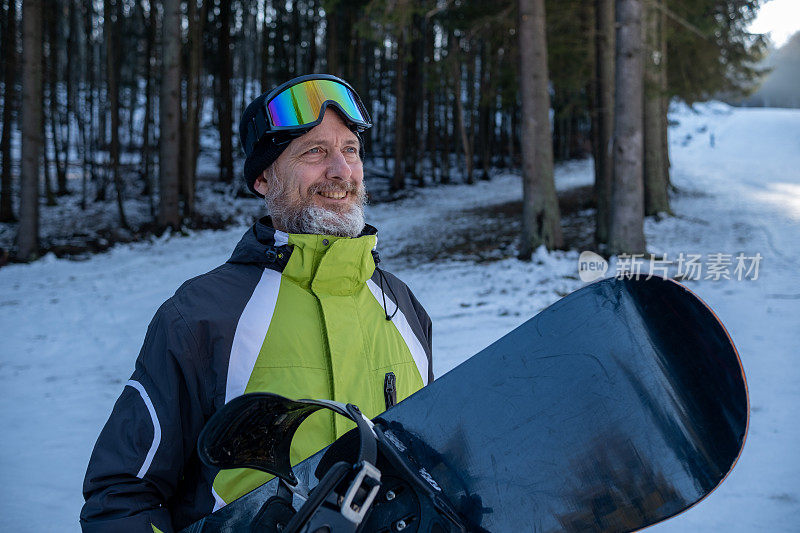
521	150
132	106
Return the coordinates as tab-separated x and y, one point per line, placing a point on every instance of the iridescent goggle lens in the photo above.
301	104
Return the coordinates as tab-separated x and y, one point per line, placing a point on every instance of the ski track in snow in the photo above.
71	330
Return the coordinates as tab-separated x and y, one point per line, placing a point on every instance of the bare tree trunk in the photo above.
52	82
444	138
466	145
662	81
9	104
431	73
132	106
266	55
297	37
470	109
541	219
49	185
90	152
312	16
363	77
281	61
83	115
399	179
191	136
656	199
99	120
169	140
147	152
353	48
604	115
432	138
383	88
627	218
71	78
508	140
502	139
247	58
446	119
455	137
247	64
83	140
513	135
224	105
444	152
414	99
332	39
112	76
28	230
486	110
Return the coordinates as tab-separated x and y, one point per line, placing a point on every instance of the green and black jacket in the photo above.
304	316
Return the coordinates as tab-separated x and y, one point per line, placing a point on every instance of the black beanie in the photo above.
265	151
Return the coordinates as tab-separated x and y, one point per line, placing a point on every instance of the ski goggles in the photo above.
299	104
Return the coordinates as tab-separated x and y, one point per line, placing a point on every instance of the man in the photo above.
300	309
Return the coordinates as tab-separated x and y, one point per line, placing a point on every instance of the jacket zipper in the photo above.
390	389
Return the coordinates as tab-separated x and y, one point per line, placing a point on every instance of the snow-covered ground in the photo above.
71	330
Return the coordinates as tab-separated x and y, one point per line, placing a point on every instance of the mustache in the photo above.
338	186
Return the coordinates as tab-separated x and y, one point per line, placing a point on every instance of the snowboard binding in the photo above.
367	480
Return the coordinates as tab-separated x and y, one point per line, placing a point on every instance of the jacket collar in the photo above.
259	244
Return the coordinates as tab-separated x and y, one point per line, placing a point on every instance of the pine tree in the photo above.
541	223
9	104
32	142
656	170
627	215
603	118
169	138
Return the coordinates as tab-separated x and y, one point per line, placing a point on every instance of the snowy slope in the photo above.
747	200
71	330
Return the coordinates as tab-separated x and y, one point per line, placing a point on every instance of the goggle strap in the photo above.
261	122
251	135
256	128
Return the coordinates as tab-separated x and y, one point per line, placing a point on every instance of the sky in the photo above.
779	18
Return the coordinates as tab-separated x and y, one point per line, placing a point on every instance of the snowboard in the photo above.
617	407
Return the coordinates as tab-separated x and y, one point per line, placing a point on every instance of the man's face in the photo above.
316	185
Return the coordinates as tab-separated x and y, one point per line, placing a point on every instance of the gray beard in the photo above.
320	221
298	217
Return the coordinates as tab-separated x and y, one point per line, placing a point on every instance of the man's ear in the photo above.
261	185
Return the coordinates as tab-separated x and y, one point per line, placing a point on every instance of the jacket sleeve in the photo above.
427	328
139	456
